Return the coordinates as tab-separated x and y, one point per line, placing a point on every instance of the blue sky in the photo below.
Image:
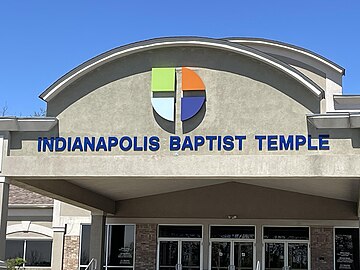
41	40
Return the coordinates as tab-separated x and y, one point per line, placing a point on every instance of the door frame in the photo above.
233	240
179	240
286	243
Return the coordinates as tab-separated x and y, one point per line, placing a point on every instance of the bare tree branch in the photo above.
40	113
4	110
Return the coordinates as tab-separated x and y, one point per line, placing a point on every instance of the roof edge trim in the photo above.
119	52
292	47
335	120
27	124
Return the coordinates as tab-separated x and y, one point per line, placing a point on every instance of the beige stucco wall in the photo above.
244	97
70	210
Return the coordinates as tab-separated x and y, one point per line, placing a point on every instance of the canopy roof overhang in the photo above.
107	194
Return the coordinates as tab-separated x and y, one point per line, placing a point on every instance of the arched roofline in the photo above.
157	43
291	47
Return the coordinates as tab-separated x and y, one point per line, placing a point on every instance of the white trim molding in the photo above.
4	179
335	120
27	124
30	227
59	229
1	151
289	47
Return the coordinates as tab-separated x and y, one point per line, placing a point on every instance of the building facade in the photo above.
187	153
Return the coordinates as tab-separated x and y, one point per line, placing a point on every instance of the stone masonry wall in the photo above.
71	252
322	256
145	250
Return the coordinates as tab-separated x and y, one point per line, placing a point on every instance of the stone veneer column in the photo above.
71	252
145	249
322	249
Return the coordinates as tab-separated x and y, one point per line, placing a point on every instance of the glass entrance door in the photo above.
232	247
274	256
180	247
220	255
168	255
286	247
298	256
179	254
190	255
293	255
232	255
243	256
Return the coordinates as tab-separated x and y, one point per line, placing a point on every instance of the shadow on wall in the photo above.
166	125
344	133
187	125
294	62
17	138
177	57
193	122
231	198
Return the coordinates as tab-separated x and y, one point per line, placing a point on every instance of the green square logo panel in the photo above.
163	79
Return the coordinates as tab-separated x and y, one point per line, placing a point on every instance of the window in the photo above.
34	252
286	247
38	253
347	248
119	248
286	233
179	247
14	249
84	246
236	232
180	231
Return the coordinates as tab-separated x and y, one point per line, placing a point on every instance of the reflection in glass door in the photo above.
168	255
274	256
190	254
243	256
220	255
298	256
